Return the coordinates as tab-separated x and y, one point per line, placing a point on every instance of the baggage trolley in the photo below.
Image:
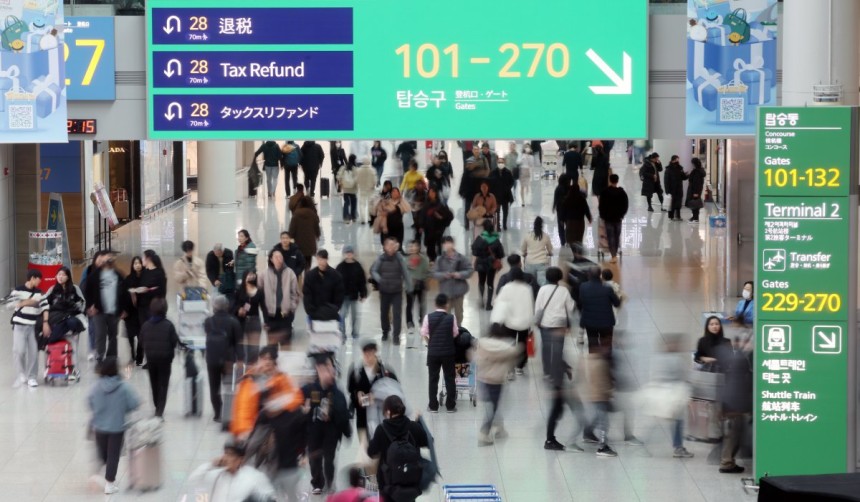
464	493
550	166
464	379
192	314
325	338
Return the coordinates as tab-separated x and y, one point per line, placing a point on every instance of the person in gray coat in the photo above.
111	400
391	275
453	270
596	300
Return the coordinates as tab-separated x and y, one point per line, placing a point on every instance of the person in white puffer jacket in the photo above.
494	358
514	311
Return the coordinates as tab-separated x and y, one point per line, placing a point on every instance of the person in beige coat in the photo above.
495	358
281	294
365	176
190	271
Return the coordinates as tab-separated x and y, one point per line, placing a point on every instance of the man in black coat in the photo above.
312	159
596	301
514	261
355	288
293	257
220	274
649	173
105	304
674	184
572	162
612	207
439	329
223	341
323	290
360	382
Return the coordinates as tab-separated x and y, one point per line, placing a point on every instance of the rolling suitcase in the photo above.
703	421
144	454
228	393
193	402
58	361
325	187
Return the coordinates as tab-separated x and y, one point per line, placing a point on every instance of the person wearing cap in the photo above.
228	478
189	270
220	272
263	389
360	380
281	294
392	276
355	289
323	291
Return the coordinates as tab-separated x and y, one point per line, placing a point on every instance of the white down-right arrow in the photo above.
623	85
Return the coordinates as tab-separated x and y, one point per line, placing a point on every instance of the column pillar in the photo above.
216	173
821	46
668	147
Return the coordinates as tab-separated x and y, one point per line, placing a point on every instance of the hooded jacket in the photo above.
110	400
272	155
486	249
190	274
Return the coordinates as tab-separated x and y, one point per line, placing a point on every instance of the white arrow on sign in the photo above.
623	85
169	71
829	343
168	27
170	115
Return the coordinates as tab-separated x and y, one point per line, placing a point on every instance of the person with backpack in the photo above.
325	405
440	329
290	161
349	186
487	252
397	442
223	339
272	158
435	218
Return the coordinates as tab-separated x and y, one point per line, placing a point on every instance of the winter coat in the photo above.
495	357
323	294
456	287
537	251
93	292
613	204
276	393
396	427
696	184
710	346
389	215
305	230
600	180
649	173
486	249
159	339
344	176
268	283
338	412
365	177
514	306
272	155
358	381
572	162
62	304
378	156
489	203
312	157
154	278
435	218
190	274
223	336
213	270
505	187
293	257
595	303
674	183
111	400
529	279
354	280
246	259
391	274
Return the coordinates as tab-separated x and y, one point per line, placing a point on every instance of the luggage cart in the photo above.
477	493
325	338
192	314
549	166
464	379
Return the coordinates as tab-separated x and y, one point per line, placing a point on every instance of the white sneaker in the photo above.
111	488
97	482
19	381
91	357
32	382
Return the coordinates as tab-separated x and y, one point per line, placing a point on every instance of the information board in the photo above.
90	59
806	284
375	69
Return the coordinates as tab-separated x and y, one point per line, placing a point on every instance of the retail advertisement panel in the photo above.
355	70
805	290
731	65
32	72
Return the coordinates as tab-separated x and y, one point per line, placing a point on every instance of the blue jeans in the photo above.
678	434
271	178
490	394
379	170
350	309
350	205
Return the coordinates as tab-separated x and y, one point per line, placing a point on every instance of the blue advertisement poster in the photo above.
32	73
731	65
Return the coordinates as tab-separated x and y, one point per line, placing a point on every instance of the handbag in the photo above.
476	213
739	28
530	344
255	177
497	264
13	32
695	203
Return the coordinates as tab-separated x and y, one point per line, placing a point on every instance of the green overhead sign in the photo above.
806	282
387	69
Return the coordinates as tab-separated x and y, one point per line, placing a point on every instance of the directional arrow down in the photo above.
170	115
623	85
828	342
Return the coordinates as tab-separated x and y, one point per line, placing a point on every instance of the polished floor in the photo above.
671	272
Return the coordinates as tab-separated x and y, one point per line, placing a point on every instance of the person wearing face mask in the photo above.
745	310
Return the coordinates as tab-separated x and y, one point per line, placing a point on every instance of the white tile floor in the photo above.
671	272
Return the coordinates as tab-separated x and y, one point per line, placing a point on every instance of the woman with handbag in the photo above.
514	310
389	217
694	189
484	206
487	254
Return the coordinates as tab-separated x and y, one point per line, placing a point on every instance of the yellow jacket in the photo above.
410	179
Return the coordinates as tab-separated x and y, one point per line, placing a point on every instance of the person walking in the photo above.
391	274
487	253
435	218
553	307
495	356
153	284
389	217
395	427
575	211
669	371
348	183
612	207
405	152
558	196
305	230
338	160
132	319
323	291
281	299
674	183
419	269
272	159
515	262
105	306
325	405
293	256
484	207
366	181
411	178
597	317
29	312
505	190
159	342
514	312
223	345
602	171
736	362
572	162
189	271
527	165
378	156
354	288
292	157
452	270
537	251
246	254
649	174
220	275
360	380
312	157
439	329
229	477
695	189
110	400
248	309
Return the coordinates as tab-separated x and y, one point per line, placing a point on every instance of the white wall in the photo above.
7	221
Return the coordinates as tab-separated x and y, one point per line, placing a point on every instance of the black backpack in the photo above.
403	462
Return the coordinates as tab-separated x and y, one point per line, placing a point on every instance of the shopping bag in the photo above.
12	38
530	345
738	26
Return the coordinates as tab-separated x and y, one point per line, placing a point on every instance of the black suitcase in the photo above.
325	187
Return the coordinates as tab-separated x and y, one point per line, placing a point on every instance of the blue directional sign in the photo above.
90	61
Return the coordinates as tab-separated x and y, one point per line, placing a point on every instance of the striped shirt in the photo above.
26	316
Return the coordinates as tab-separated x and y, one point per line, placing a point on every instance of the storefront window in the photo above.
157	159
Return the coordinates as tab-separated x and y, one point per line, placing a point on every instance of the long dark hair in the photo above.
70	285
153	257
134	259
350	162
720	334
538	228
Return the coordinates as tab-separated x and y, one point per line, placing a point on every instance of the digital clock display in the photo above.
81	126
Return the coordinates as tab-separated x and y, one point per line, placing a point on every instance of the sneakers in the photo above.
21	380
485	439
499	432
32	383
519	372
316	491
606	451
633	441
451	410
735	469
512	376
111	488
553	445
432	410
589	437
682	453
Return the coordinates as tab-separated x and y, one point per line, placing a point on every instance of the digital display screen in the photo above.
81	126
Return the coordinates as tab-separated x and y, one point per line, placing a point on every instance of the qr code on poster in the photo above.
22	117
732	109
